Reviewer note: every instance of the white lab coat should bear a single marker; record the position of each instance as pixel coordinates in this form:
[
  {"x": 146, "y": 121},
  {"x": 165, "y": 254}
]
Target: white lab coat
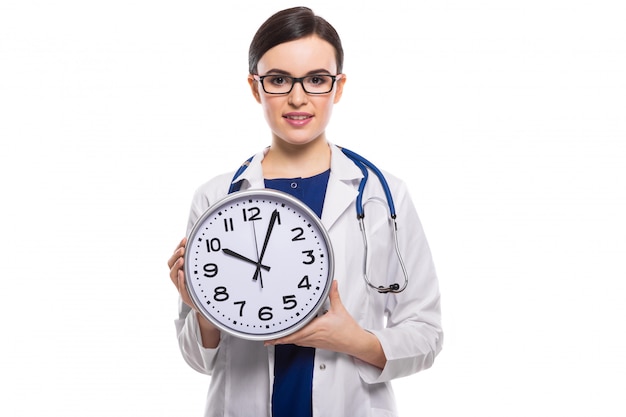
[{"x": 407, "y": 324}]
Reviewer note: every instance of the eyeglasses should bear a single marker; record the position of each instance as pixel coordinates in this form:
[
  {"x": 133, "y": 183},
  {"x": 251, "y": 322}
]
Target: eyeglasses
[{"x": 311, "y": 84}]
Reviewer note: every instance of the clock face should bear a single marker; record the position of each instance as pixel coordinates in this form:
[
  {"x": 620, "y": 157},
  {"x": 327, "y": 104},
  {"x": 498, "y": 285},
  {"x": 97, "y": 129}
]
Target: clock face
[{"x": 259, "y": 264}]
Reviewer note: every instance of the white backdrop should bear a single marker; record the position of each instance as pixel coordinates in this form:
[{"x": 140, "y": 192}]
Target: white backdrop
[{"x": 507, "y": 118}]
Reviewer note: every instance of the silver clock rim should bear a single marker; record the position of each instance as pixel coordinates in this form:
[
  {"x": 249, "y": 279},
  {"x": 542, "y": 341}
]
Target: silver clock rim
[{"x": 261, "y": 192}]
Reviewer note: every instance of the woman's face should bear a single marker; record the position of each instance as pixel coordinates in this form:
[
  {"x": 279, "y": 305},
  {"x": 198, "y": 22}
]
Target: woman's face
[{"x": 298, "y": 118}]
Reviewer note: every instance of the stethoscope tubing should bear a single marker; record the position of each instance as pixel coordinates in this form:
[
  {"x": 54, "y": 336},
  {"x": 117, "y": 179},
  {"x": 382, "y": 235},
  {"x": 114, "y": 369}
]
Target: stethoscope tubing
[{"x": 363, "y": 165}]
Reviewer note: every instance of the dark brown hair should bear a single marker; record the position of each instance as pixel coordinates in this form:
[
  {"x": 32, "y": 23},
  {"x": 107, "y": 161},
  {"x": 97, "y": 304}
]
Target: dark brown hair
[{"x": 289, "y": 25}]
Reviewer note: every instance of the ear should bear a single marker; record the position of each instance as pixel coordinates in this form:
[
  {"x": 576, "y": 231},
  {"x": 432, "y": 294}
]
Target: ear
[
  {"x": 339, "y": 88},
  {"x": 254, "y": 86}
]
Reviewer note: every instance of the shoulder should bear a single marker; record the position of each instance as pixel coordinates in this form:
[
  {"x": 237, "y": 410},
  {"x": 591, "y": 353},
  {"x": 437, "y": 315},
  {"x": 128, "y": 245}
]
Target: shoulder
[
  {"x": 213, "y": 189},
  {"x": 218, "y": 186},
  {"x": 207, "y": 194}
]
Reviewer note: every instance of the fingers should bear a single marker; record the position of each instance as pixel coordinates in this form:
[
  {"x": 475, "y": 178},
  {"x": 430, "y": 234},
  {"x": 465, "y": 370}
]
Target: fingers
[
  {"x": 178, "y": 253},
  {"x": 299, "y": 338},
  {"x": 176, "y": 263},
  {"x": 180, "y": 283},
  {"x": 328, "y": 330},
  {"x": 176, "y": 271}
]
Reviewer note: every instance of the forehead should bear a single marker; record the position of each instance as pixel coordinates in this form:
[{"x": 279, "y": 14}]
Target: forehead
[{"x": 299, "y": 57}]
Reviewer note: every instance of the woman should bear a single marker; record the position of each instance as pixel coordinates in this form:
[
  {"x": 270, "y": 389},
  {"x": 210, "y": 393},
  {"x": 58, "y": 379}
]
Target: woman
[{"x": 342, "y": 362}]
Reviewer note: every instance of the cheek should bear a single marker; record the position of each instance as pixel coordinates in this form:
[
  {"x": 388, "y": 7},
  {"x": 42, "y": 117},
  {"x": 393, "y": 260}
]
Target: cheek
[
  {"x": 271, "y": 111},
  {"x": 326, "y": 108},
  {"x": 268, "y": 105}
]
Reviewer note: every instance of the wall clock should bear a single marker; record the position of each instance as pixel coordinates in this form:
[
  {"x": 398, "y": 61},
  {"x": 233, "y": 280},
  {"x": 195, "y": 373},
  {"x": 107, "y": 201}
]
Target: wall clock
[{"x": 259, "y": 264}]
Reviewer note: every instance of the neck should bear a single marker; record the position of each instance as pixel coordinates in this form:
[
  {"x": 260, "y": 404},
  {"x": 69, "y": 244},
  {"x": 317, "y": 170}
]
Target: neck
[{"x": 285, "y": 160}]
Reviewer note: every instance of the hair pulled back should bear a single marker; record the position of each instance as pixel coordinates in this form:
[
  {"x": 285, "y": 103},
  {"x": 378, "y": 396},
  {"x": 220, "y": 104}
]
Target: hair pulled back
[{"x": 289, "y": 25}]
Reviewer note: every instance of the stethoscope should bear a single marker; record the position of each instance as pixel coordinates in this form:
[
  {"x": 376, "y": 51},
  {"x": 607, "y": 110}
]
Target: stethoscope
[{"x": 363, "y": 165}]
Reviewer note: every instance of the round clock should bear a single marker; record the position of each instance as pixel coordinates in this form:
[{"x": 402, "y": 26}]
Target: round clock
[{"x": 259, "y": 264}]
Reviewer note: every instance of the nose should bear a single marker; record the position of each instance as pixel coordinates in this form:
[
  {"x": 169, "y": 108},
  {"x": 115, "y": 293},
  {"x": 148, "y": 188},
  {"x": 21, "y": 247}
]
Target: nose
[{"x": 297, "y": 95}]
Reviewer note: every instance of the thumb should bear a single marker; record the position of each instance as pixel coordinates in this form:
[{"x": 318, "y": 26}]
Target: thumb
[{"x": 333, "y": 295}]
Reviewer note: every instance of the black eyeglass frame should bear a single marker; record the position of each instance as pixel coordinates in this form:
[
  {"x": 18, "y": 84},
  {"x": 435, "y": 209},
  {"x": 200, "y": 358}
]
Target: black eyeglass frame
[{"x": 295, "y": 80}]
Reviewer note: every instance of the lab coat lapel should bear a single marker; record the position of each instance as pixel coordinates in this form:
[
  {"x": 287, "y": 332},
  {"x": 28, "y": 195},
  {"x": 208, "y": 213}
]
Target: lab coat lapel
[{"x": 342, "y": 187}]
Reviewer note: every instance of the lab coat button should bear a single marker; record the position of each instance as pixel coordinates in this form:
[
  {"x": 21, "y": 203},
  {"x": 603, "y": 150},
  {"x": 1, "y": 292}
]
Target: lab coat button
[{"x": 323, "y": 366}]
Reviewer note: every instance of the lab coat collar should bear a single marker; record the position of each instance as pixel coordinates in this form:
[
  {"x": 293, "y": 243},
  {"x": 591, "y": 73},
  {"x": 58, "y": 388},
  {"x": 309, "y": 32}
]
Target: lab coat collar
[
  {"x": 252, "y": 177},
  {"x": 342, "y": 184}
]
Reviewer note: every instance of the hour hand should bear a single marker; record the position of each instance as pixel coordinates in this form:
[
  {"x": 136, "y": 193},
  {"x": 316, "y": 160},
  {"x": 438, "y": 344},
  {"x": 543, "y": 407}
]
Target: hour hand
[{"x": 243, "y": 258}]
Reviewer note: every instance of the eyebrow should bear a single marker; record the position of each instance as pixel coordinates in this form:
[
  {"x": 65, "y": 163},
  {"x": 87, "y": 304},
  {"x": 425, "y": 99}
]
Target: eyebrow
[{"x": 283, "y": 72}]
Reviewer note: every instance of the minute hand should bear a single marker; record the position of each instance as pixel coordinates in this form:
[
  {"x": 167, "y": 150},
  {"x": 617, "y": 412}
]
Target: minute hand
[{"x": 267, "y": 239}]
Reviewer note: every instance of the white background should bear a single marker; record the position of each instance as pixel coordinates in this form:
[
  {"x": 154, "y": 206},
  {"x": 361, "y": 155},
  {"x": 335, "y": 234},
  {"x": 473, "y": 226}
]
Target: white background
[{"x": 507, "y": 119}]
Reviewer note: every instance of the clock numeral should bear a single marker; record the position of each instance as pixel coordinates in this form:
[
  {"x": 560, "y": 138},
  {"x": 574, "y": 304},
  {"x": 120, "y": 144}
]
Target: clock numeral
[
  {"x": 213, "y": 245},
  {"x": 210, "y": 270},
  {"x": 289, "y": 302},
  {"x": 220, "y": 294},
  {"x": 304, "y": 283},
  {"x": 251, "y": 214},
  {"x": 242, "y": 303},
  {"x": 265, "y": 313},
  {"x": 311, "y": 258},
  {"x": 299, "y": 234},
  {"x": 228, "y": 224}
]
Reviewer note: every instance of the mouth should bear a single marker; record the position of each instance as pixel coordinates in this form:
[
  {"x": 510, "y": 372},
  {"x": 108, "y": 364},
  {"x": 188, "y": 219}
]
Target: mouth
[
  {"x": 298, "y": 120},
  {"x": 297, "y": 116}
]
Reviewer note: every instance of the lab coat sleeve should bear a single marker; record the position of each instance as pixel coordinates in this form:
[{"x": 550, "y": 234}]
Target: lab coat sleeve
[
  {"x": 413, "y": 336},
  {"x": 190, "y": 342},
  {"x": 187, "y": 329}
]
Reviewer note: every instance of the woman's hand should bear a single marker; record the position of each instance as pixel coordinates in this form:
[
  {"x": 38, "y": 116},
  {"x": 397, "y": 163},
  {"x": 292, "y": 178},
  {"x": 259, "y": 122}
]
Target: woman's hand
[
  {"x": 210, "y": 333},
  {"x": 177, "y": 274},
  {"x": 336, "y": 330}
]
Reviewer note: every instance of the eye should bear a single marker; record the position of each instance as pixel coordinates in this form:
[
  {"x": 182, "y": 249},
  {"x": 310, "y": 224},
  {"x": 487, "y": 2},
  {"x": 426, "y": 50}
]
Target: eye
[
  {"x": 277, "y": 80},
  {"x": 318, "y": 80}
]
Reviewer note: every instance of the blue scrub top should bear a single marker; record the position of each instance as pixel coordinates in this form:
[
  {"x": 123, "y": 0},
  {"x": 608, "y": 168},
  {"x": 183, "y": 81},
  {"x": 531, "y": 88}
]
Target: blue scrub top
[{"x": 293, "y": 365}]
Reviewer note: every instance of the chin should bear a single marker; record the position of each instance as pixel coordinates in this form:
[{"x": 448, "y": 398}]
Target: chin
[{"x": 300, "y": 140}]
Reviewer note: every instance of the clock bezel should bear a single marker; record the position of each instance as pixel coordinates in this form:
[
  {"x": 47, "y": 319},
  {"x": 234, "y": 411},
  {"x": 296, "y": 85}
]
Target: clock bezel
[{"x": 256, "y": 194}]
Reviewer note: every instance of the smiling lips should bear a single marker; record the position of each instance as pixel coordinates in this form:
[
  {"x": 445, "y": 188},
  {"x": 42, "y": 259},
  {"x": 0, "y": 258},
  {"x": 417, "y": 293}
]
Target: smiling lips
[{"x": 298, "y": 119}]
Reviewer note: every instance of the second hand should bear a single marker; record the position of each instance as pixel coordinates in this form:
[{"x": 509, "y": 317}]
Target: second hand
[{"x": 256, "y": 247}]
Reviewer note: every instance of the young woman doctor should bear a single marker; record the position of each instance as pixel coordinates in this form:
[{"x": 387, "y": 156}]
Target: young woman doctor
[{"x": 342, "y": 362}]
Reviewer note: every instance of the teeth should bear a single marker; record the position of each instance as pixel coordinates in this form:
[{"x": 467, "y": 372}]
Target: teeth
[{"x": 298, "y": 117}]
